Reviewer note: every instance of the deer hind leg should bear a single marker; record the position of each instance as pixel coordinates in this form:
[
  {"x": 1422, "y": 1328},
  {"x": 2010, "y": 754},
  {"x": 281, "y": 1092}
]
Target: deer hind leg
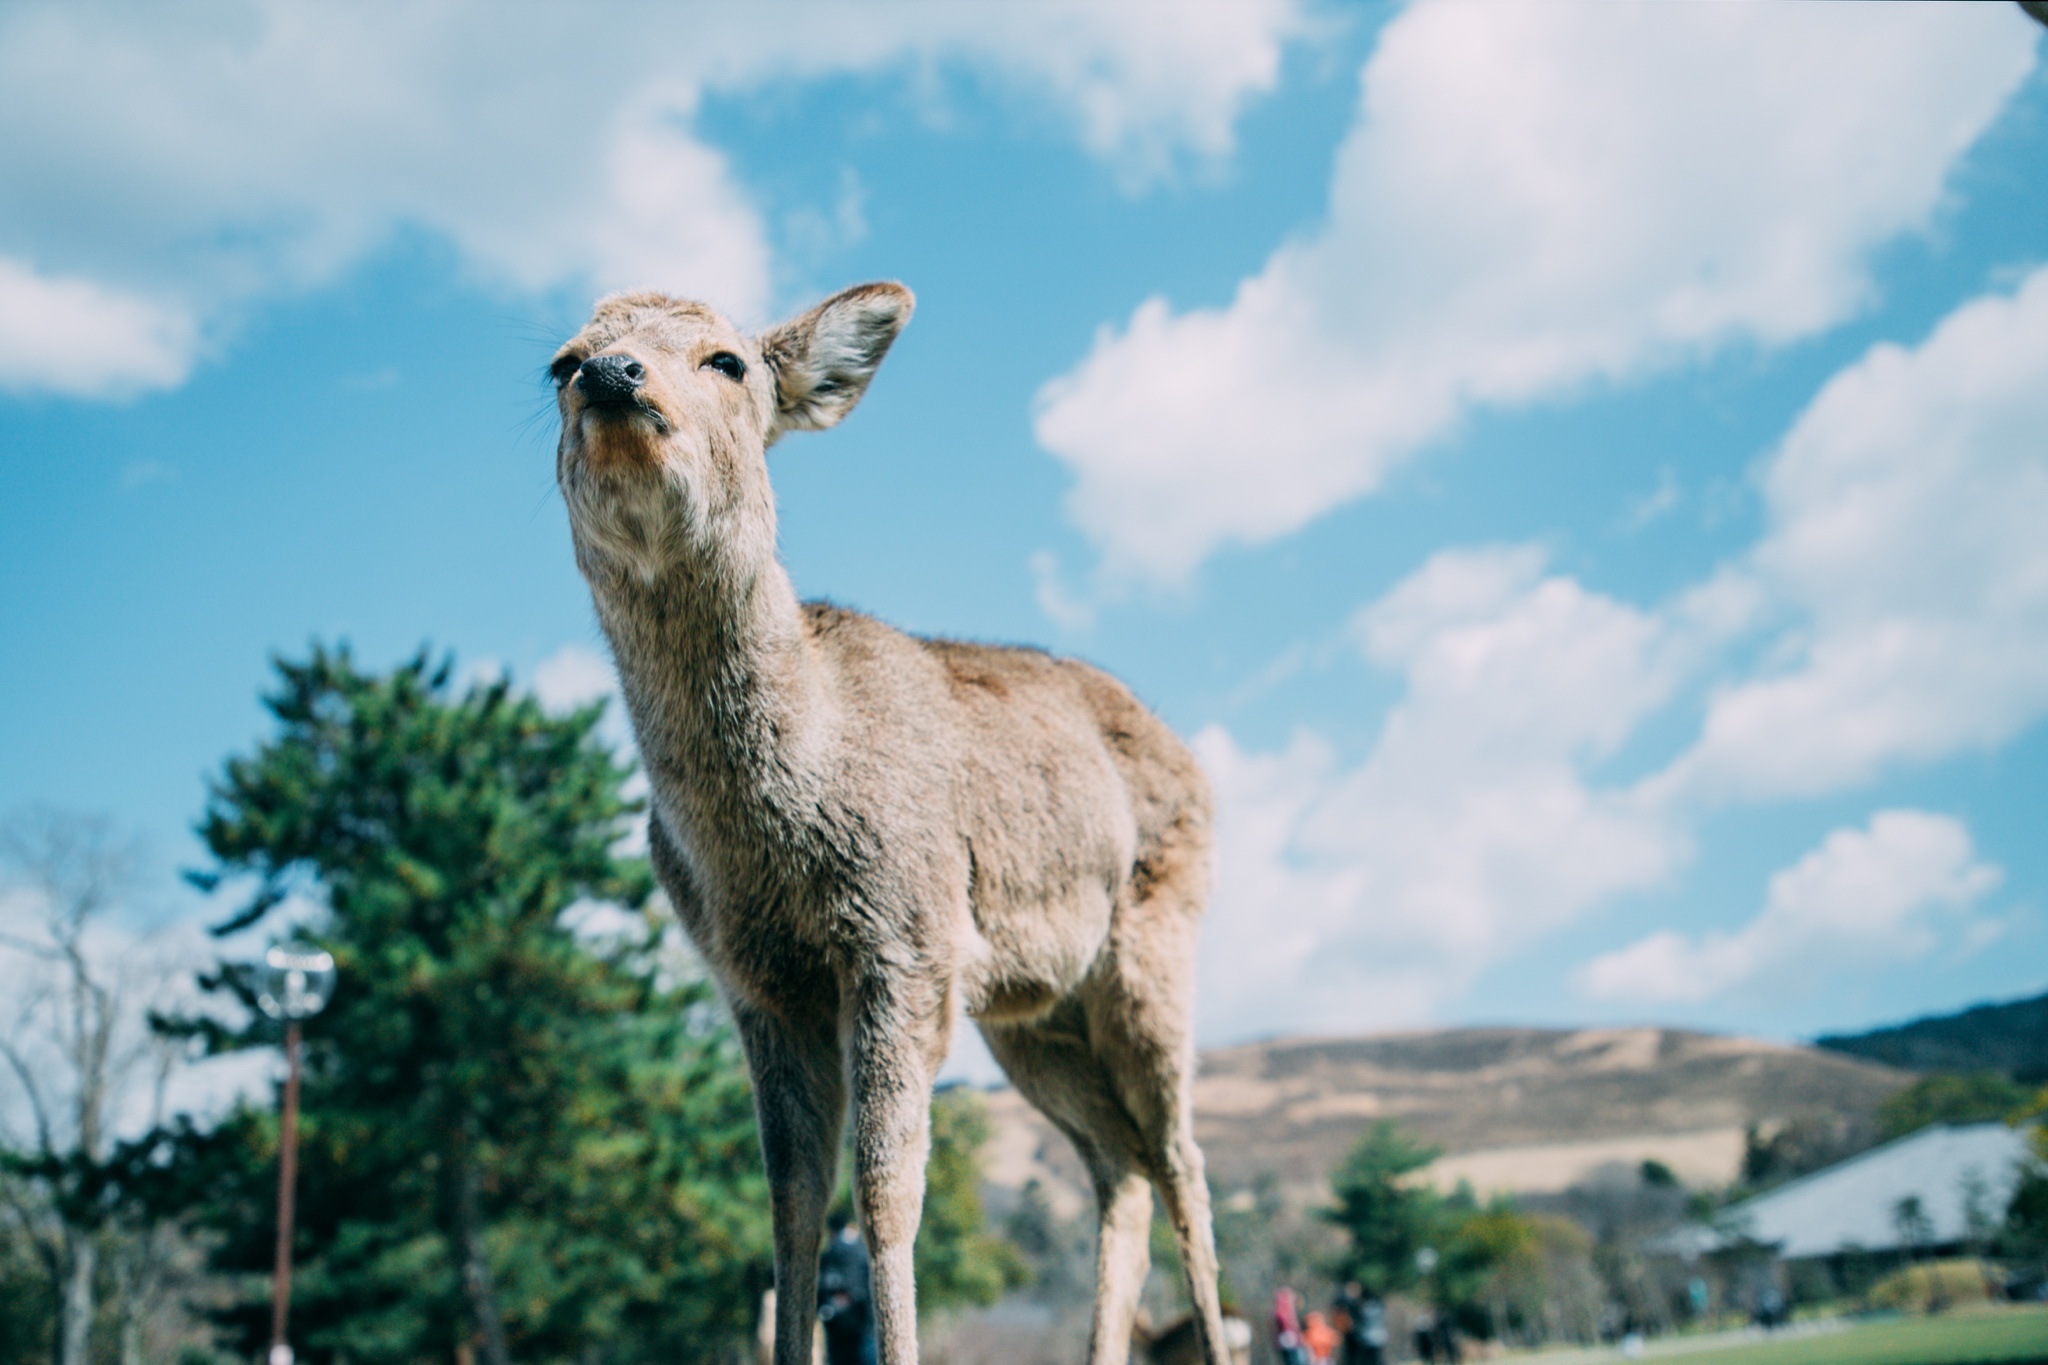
[
  {"x": 799, "y": 1100},
  {"x": 1185, "y": 1191},
  {"x": 1140, "y": 1011},
  {"x": 1052, "y": 1065},
  {"x": 1123, "y": 1258}
]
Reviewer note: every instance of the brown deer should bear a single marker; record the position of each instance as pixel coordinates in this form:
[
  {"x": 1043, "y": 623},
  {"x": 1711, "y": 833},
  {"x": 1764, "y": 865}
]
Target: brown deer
[{"x": 861, "y": 829}]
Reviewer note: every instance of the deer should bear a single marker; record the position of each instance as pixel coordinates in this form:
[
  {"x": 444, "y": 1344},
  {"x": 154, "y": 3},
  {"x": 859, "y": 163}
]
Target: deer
[{"x": 864, "y": 832}]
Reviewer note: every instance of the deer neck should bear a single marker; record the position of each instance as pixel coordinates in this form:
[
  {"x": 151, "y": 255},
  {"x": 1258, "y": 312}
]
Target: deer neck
[{"x": 723, "y": 683}]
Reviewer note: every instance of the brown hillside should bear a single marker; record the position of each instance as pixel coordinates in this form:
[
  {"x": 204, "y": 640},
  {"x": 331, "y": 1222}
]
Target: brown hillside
[{"x": 1513, "y": 1108}]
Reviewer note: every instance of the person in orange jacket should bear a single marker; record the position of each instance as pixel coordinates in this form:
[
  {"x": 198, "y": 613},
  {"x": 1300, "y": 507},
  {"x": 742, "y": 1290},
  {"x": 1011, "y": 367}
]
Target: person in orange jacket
[{"x": 1320, "y": 1338}]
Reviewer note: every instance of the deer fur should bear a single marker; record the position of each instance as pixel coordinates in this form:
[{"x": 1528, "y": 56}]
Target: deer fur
[{"x": 862, "y": 830}]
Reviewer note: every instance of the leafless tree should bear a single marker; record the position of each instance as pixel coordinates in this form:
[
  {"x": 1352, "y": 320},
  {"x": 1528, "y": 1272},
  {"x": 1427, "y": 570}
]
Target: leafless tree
[{"x": 76, "y": 1047}]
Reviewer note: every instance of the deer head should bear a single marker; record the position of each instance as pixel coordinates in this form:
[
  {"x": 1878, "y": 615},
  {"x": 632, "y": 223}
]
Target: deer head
[{"x": 668, "y": 411}]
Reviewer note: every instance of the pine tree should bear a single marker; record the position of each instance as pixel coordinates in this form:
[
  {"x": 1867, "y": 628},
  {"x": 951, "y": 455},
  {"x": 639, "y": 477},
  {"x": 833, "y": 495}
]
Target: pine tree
[
  {"x": 1404, "y": 1235},
  {"x": 958, "y": 1260},
  {"x": 516, "y": 1140},
  {"x": 1387, "y": 1219}
]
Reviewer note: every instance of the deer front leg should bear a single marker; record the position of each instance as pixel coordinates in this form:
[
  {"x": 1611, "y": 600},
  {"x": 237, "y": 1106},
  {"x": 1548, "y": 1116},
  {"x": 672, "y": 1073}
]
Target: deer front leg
[
  {"x": 898, "y": 1041},
  {"x": 799, "y": 1100}
]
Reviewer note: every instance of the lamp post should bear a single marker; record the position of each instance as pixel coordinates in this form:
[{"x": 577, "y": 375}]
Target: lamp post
[{"x": 292, "y": 983}]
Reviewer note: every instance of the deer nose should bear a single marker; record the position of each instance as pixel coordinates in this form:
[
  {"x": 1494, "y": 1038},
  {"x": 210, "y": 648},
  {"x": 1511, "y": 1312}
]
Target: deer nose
[{"x": 610, "y": 378}]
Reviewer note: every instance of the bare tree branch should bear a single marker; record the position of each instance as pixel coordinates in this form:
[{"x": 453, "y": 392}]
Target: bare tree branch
[
  {"x": 26, "y": 1075},
  {"x": 68, "y": 1041},
  {"x": 29, "y": 945}
]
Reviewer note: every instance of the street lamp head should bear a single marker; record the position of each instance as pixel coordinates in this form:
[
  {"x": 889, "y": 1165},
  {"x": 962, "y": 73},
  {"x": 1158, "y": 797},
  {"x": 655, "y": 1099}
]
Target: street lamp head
[{"x": 294, "y": 981}]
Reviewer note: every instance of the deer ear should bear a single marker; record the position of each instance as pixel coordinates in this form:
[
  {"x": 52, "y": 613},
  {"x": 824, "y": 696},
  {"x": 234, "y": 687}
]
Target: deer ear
[{"x": 823, "y": 360}]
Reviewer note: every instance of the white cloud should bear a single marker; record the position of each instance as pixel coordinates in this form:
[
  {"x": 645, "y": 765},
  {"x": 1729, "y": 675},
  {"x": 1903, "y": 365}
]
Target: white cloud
[
  {"x": 1899, "y": 596},
  {"x": 1656, "y": 504},
  {"x": 1348, "y": 898},
  {"x": 574, "y": 676},
  {"x": 139, "y": 474},
  {"x": 69, "y": 335},
  {"x": 167, "y": 168},
  {"x": 1534, "y": 197},
  {"x": 1907, "y": 507},
  {"x": 1144, "y": 82},
  {"x": 1063, "y": 608},
  {"x": 1886, "y": 893}
]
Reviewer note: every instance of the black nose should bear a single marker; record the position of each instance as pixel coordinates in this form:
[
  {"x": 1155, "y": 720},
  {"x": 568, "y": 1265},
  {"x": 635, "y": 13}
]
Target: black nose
[{"x": 610, "y": 378}]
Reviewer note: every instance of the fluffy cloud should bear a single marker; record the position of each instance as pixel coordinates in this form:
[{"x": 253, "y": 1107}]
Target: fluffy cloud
[
  {"x": 1534, "y": 197},
  {"x": 74, "y": 337},
  {"x": 1899, "y": 596},
  {"x": 1907, "y": 508},
  {"x": 1882, "y": 893},
  {"x": 1378, "y": 891},
  {"x": 573, "y": 676},
  {"x": 1144, "y": 82},
  {"x": 164, "y": 169}
]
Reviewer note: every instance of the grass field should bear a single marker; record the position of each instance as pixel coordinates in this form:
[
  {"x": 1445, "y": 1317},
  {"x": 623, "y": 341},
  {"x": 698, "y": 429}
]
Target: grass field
[{"x": 1984, "y": 1335}]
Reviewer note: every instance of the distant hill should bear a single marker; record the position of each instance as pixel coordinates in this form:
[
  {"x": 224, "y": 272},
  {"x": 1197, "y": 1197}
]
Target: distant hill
[
  {"x": 2011, "y": 1038},
  {"x": 1513, "y": 1108}
]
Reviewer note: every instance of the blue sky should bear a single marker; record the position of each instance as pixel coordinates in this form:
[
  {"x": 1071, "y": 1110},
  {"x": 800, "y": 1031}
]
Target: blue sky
[{"x": 1576, "y": 473}]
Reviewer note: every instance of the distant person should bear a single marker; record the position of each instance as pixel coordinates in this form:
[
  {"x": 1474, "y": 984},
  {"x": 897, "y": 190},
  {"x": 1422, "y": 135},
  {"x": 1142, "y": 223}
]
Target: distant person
[
  {"x": 846, "y": 1303},
  {"x": 1365, "y": 1325},
  {"x": 1425, "y": 1337},
  {"x": 1320, "y": 1338},
  {"x": 1447, "y": 1348},
  {"x": 1287, "y": 1343}
]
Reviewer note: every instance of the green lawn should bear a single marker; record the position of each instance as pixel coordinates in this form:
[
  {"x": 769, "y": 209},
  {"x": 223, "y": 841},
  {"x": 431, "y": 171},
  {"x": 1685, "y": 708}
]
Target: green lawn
[{"x": 1992, "y": 1334}]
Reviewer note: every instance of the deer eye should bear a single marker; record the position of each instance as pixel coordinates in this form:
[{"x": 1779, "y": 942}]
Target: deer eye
[
  {"x": 564, "y": 369},
  {"x": 727, "y": 364}
]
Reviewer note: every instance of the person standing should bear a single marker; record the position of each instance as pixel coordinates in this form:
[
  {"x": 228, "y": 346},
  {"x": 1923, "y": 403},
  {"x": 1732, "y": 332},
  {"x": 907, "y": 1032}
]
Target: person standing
[
  {"x": 1365, "y": 1325},
  {"x": 845, "y": 1298},
  {"x": 1320, "y": 1338},
  {"x": 1287, "y": 1341},
  {"x": 1448, "y": 1351},
  {"x": 1425, "y": 1337}
]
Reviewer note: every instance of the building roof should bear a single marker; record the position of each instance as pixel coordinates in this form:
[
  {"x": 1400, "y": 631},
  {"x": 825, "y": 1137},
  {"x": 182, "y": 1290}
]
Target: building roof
[{"x": 1853, "y": 1204}]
